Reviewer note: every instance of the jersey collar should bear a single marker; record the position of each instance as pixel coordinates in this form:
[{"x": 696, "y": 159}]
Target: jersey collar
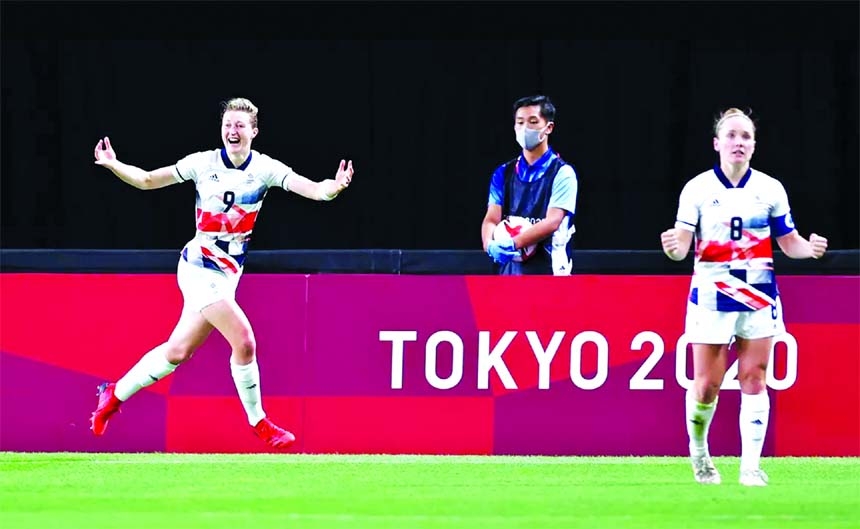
[
  {"x": 229, "y": 165},
  {"x": 543, "y": 162},
  {"x": 725, "y": 181}
]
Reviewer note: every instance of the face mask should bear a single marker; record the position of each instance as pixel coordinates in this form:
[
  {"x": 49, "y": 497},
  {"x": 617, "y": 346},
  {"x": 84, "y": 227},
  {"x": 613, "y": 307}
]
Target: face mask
[{"x": 529, "y": 138}]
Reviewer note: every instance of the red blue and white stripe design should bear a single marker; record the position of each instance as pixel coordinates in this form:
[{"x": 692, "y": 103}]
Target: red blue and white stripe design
[
  {"x": 733, "y": 226},
  {"x": 229, "y": 199}
]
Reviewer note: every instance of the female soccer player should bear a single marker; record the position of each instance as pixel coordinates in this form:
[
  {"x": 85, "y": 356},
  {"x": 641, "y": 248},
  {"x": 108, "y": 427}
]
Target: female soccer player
[
  {"x": 733, "y": 210},
  {"x": 231, "y": 183}
]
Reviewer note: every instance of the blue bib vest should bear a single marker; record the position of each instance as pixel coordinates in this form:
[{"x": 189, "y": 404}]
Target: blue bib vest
[{"x": 530, "y": 200}]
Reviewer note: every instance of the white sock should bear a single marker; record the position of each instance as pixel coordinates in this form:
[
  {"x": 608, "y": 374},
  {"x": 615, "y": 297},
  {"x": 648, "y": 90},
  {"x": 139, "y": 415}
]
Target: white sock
[
  {"x": 151, "y": 368},
  {"x": 755, "y": 411},
  {"x": 699, "y": 418},
  {"x": 247, "y": 380}
]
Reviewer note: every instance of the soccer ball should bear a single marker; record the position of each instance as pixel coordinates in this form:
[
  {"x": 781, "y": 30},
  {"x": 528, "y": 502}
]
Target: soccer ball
[{"x": 510, "y": 228}]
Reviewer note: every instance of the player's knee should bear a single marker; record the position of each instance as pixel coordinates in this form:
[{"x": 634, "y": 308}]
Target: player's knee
[
  {"x": 752, "y": 380},
  {"x": 178, "y": 353},
  {"x": 245, "y": 347}
]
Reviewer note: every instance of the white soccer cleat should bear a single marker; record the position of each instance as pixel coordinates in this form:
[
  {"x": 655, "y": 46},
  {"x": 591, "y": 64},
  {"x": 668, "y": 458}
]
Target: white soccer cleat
[
  {"x": 704, "y": 470},
  {"x": 753, "y": 478}
]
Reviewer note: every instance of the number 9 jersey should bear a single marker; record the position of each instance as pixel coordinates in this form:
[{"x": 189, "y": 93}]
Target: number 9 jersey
[
  {"x": 733, "y": 268},
  {"x": 229, "y": 199}
]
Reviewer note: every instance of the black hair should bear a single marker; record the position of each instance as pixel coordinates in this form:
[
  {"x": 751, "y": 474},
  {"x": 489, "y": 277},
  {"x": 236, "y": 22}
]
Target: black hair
[{"x": 547, "y": 109}]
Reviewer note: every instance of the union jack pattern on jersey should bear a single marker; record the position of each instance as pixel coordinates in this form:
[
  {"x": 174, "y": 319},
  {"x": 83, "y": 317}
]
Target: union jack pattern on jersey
[
  {"x": 733, "y": 268},
  {"x": 229, "y": 199}
]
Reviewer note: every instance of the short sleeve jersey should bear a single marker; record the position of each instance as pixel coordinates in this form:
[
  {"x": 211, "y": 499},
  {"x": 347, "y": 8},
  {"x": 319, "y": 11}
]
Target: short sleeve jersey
[
  {"x": 229, "y": 199},
  {"x": 733, "y": 225}
]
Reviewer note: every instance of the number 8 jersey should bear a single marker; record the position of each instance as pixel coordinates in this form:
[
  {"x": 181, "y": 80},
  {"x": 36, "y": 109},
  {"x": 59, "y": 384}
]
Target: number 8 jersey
[
  {"x": 229, "y": 199},
  {"x": 733, "y": 268}
]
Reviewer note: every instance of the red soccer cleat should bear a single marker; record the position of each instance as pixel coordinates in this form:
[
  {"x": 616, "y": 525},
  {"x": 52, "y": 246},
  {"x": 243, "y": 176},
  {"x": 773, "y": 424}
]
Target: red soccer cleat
[
  {"x": 274, "y": 435},
  {"x": 108, "y": 405}
]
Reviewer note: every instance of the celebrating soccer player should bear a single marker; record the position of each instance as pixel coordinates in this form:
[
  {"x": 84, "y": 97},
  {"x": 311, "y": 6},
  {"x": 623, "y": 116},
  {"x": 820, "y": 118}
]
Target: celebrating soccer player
[
  {"x": 231, "y": 183},
  {"x": 733, "y": 210}
]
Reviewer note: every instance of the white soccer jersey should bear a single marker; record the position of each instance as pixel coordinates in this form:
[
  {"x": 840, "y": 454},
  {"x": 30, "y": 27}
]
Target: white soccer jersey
[
  {"x": 733, "y": 268},
  {"x": 228, "y": 201}
]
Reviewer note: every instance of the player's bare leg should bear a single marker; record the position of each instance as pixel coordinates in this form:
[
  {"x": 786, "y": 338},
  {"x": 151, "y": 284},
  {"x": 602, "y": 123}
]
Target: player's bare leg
[
  {"x": 190, "y": 332},
  {"x": 230, "y": 320}
]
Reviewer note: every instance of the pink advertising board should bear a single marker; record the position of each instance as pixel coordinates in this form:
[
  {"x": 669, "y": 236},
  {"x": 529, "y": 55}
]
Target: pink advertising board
[{"x": 586, "y": 365}]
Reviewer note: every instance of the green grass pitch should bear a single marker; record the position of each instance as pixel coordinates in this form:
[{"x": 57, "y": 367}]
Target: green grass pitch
[{"x": 129, "y": 491}]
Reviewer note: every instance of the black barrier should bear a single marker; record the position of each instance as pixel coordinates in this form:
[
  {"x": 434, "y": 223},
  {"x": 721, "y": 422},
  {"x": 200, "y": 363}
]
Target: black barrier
[{"x": 416, "y": 262}]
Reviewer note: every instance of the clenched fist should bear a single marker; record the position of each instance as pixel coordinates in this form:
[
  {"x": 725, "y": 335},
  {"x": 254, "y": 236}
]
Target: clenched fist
[
  {"x": 818, "y": 244},
  {"x": 669, "y": 239}
]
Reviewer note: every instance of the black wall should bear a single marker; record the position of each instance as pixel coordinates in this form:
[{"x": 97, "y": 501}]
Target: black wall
[{"x": 419, "y": 97}]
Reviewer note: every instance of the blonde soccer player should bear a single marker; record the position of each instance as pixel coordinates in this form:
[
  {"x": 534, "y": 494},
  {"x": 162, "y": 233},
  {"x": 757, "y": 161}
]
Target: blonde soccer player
[
  {"x": 732, "y": 211},
  {"x": 231, "y": 183}
]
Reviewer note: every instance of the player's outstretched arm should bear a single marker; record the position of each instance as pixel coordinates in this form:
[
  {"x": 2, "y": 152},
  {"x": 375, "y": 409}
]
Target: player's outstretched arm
[
  {"x": 325, "y": 190},
  {"x": 135, "y": 176},
  {"x": 795, "y": 246},
  {"x": 676, "y": 243}
]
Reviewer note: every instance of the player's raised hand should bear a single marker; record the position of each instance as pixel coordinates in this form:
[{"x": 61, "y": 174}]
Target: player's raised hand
[
  {"x": 669, "y": 240},
  {"x": 819, "y": 245},
  {"x": 344, "y": 175},
  {"x": 104, "y": 152}
]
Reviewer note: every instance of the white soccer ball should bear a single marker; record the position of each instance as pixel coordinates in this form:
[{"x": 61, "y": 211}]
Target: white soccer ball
[{"x": 510, "y": 228}]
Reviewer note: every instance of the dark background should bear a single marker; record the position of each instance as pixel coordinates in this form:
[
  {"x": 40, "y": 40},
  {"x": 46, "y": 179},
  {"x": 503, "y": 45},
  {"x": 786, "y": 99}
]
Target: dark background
[{"x": 419, "y": 97}]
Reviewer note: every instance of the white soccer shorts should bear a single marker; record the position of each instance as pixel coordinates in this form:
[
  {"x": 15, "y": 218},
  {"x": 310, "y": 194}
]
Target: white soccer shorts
[
  {"x": 202, "y": 287},
  {"x": 714, "y": 327}
]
